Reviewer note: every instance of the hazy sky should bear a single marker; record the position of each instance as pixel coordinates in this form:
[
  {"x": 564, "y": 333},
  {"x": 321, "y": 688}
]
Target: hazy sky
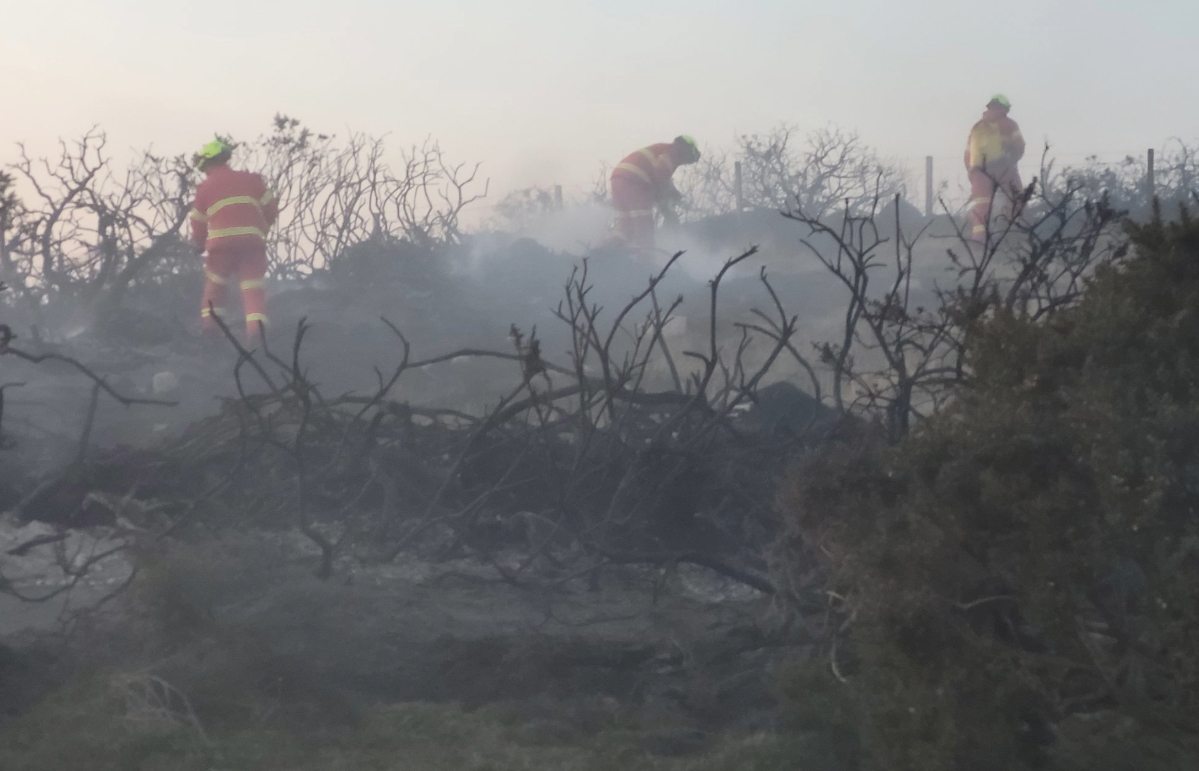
[{"x": 545, "y": 91}]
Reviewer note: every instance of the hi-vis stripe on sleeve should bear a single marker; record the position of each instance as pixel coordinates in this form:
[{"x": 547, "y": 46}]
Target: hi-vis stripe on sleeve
[
  {"x": 233, "y": 200},
  {"x": 634, "y": 169},
  {"x": 198, "y": 215},
  {"x": 656, "y": 161},
  {"x": 253, "y": 283},
  {"x": 266, "y": 198},
  {"x": 229, "y": 232}
]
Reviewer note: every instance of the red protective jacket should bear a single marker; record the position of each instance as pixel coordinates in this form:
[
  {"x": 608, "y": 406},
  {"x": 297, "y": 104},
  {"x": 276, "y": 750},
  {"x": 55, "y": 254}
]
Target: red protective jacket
[
  {"x": 995, "y": 144},
  {"x": 232, "y": 208},
  {"x": 652, "y": 167}
]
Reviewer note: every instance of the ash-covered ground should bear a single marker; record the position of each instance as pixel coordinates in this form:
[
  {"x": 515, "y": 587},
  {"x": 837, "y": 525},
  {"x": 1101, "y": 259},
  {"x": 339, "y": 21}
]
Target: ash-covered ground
[{"x": 543, "y": 626}]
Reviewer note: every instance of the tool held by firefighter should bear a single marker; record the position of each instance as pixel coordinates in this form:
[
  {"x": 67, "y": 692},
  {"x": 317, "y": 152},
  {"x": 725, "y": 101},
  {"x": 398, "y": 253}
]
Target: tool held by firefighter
[
  {"x": 232, "y": 214},
  {"x": 642, "y": 183},
  {"x": 993, "y": 152}
]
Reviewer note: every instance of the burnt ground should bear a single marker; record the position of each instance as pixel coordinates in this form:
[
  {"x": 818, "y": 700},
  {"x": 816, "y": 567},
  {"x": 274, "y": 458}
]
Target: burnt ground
[
  {"x": 225, "y": 649},
  {"x": 227, "y": 652}
]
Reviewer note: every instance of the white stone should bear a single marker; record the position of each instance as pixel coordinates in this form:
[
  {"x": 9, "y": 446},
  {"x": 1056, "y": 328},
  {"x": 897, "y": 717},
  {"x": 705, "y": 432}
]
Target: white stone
[{"x": 164, "y": 382}]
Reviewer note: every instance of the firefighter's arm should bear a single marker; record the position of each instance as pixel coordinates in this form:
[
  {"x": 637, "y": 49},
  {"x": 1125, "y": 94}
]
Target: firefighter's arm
[
  {"x": 662, "y": 175},
  {"x": 199, "y": 225},
  {"x": 1016, "y": 150},
  {"x": 668, "y": 198}
]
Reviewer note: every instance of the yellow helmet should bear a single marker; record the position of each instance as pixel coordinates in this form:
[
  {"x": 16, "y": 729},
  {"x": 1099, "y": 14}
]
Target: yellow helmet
[
  {"x": 689, "y": 146},
  {"x": 217, "y": 149},
  {"x": 1000, "y": 100}
]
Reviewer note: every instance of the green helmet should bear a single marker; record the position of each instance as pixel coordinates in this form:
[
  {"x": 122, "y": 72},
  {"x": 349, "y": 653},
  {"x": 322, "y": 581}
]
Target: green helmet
[
  {"x": 1001, "y": 100},
  {"x": 217, "y": 149},
  {"x": 690, "y": 148}
]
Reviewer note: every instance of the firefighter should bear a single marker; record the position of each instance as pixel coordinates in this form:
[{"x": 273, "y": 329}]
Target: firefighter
[
  {"x": 993, "y": 151},
  {"x": 642, "y": 182},
  {"x": 229, "y": 221}
]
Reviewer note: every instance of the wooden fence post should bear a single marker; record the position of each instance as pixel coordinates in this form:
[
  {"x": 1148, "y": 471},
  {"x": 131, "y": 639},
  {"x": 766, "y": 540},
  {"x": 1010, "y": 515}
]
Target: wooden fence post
[
  {"x": 1150, "y": 184},
  {"x": 738, "y": 190},
  {"x": 928, "y": 186}
]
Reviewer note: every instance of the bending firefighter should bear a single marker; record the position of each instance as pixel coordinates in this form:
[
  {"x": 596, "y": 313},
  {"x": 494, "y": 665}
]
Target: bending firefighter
[
  {"x": 642, "y": 181},
  {"x": 230, "y": 219},
  {"x": 993, "y": 151}
]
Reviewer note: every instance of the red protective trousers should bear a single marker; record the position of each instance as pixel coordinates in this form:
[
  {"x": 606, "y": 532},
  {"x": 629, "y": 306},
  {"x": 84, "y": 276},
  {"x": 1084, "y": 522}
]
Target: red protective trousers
[
  {"x": 245, "y": 260},
  {"x": 983, "y": 187},
  {"x": 634, "y": 201}
]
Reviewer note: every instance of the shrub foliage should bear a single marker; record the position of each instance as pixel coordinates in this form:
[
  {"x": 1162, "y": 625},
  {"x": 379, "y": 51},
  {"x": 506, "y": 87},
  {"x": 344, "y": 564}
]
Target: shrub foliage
[{"x": 1017, "y": 580}]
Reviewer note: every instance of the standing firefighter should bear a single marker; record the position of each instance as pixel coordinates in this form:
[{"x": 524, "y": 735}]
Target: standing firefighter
[
  {"x": 230, "y": 219},
  {"x": 642, "y": 181},
  {"x": 993, "y": 151}
]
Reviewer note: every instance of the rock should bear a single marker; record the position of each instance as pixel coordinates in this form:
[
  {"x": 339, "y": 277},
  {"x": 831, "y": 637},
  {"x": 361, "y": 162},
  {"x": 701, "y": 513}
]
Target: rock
[{"x": 164, "y": 382}]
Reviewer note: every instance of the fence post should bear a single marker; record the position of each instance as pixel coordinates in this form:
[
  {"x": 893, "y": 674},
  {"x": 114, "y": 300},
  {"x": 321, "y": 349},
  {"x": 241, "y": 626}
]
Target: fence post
[
  {"x": 1150, "y": 185},
  {"x": 737, "y": 188},
  {"x": 558, "y": 197},
  {"x": 928, "y": 186}
]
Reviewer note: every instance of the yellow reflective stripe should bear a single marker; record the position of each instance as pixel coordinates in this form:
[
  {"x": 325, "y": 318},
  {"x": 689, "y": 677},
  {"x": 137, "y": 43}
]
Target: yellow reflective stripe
[
  {"x": 634, "y": 169},
  {"x": 253, "y": 283},
  {"x": 657, "y": 161},
  {"x": 227, "y": 232},
  {"x": 198, "y": 215},
  {"x": 232, "y": 200},
  {"x": 206, "y": 312},
  {"x": 216, "y": 278},
  {"x": 252, "y": 317},
  {"x": 266, "y": 198},
  {"x": 635, "y": 213}
]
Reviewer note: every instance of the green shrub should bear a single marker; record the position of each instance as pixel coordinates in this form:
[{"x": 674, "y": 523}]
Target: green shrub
[{"x": 1025, "y": 566}]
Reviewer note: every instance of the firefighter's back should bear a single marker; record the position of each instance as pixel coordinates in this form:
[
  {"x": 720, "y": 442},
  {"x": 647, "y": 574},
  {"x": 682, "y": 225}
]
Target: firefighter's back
[{"x": 234, "y": 204}]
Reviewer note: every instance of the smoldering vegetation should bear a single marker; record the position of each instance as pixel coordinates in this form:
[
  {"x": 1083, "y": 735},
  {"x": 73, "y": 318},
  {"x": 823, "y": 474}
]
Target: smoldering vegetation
[{"x": 789, "y": 495}]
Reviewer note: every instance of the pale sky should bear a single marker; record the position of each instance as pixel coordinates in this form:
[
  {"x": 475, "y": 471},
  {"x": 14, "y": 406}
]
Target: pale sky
[{"x": 542, "y": 92}]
